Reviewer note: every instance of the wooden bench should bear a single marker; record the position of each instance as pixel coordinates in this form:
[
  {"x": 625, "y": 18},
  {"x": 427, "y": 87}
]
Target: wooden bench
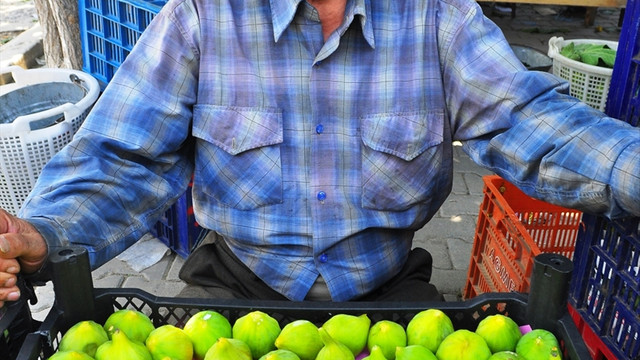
[{"x": 591, "y": 5}]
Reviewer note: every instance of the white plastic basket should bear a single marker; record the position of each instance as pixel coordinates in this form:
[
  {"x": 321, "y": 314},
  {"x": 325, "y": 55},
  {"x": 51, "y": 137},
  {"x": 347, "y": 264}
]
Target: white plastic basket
[
  {"x": 588, "y": 83},
  {"x": 28, "y": 141}
]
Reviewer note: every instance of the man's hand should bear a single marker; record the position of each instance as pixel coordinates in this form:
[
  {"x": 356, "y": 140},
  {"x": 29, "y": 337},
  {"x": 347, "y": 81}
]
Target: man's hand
[{"x": 22, "y": 248}]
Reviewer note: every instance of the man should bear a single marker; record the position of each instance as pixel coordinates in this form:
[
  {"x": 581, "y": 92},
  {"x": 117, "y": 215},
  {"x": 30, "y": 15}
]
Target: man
[{"x": 319, "y": 137}]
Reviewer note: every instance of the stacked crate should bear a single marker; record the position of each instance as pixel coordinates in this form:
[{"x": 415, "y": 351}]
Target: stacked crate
[{"x": 605, "y": 291}]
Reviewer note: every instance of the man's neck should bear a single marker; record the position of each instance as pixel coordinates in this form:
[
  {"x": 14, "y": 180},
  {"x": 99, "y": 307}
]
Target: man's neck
[{"x": 331, "y": 13}]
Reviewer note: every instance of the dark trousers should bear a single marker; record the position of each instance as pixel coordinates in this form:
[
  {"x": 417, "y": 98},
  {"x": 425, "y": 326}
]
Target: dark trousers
[{"x": 213, "y": 271}]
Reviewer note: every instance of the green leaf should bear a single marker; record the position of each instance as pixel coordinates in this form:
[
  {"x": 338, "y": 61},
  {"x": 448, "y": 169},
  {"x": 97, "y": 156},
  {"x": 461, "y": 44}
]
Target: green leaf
[
  {"x": 591, "y": 54},
  {"x": 569, "y": 51},
  {"x": 599, "y": 55}
]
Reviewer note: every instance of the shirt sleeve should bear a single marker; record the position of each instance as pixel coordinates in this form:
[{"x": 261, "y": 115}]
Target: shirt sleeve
[
  {"x": 525, "y": 127},
  {"x": 132, "y": 158}
]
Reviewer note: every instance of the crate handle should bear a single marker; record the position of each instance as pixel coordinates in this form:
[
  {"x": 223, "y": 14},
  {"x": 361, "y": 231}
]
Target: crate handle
[
  {"x": 549, "y": 289},
  {"x": 72, "y": 283}
]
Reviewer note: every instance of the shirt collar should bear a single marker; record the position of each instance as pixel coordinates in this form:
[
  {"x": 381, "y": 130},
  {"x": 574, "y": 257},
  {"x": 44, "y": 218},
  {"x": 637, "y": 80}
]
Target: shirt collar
[{"x": 283, "y": 11}]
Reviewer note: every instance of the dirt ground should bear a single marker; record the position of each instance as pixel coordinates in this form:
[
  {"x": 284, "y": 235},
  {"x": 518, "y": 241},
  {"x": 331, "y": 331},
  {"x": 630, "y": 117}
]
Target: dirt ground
[{"x": 16, "y": 16}]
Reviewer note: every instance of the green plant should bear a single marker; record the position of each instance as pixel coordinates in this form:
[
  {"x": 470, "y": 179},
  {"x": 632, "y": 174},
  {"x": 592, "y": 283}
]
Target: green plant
[{"x": 592, "y": 54}]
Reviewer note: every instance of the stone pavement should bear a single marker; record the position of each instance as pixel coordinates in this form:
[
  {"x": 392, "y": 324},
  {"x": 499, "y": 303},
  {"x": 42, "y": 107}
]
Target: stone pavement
[{"x": 449, "y": 235}]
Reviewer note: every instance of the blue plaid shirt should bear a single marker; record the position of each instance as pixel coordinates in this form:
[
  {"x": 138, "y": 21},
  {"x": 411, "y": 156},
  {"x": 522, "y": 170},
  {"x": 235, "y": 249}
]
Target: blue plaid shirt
[{"x": 322, "y": 158}]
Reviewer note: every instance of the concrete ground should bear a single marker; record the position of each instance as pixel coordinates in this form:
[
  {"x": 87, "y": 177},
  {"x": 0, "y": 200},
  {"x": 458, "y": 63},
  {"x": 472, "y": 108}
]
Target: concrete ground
[{"x": 449, "y": 236}]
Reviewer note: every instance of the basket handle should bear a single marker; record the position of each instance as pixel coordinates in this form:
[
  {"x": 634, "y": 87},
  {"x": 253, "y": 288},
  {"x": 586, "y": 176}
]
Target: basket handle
[
  {"x": 554, "y": 46},
  {"x": 13, "y": 69},
  {"x": 22, "y": 124},
  {"x": 10, "y": 69}
]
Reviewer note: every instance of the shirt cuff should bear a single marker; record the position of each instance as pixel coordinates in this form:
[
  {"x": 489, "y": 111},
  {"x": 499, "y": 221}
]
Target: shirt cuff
[
  {"x": 50, "y": 231},
  {"x": 625, "y": 179}
]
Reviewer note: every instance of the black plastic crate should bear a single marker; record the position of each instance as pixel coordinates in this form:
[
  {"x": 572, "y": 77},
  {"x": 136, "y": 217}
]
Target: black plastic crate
[
  {"x": 76, "y": 300},
  {"x": 16, "y": 321}
]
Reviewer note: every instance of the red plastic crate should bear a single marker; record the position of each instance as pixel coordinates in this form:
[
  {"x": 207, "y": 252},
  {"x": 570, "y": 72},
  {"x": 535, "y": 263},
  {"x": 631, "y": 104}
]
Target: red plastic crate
[
  {"x": 594, "y": 343},
  {"x": 512, "y": 229}
]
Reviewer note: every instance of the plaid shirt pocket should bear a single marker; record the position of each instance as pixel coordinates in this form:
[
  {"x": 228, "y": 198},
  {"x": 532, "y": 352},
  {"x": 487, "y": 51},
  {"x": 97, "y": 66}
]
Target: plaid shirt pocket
[{"x": 238, "y": 160}]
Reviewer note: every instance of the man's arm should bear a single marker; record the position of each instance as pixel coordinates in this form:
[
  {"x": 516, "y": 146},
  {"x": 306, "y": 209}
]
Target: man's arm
[
  {"x": 133, "y": 156},
  {"x": 524, "y": 126}
]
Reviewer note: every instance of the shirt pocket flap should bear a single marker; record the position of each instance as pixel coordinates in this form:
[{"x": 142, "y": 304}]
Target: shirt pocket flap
[
  {"x": 405, "y": 135},
  {"x": 237, "y": 129}
]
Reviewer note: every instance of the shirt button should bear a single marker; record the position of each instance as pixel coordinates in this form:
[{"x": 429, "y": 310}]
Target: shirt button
[
  {"x": 323, "y": 258},
  {"x": 319, "y": 128},
  {"x": 321, "y": 195}
]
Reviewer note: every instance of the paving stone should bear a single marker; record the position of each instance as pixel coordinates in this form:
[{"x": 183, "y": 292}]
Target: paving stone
[
  {"x": 459, "y": 253},
  {"x": 439, "y": 252},
  {"x": 459, "y": 227},
  {"x": 113, "y": 266},
  {"x": 449, "y": 281},
  {"x": 474, "y": 182},
  {"x": 459, "y": 185},
  {"x": 156, "y": 287},
  {"x": 174, "y": 268},
  {"x": 45, "y": 296},
  {"x": 158, "y": 270},
  {"x": 461, "y": 205},
  {"x": 109, "y": 281}
]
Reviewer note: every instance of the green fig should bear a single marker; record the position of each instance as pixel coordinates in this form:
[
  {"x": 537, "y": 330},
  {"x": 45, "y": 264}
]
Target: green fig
[
  {"x": 387, "y": 335},
  {"x": 85, "y": 336},
  {"x": 134, "y": 323},
  {"x": 228, "y": 349},
  {"x": 168, "y": 342},
  {"x": 463, "y": 345},
  {"x": 204, "y": 328},
  {"x": 121, "y": 347},
  {"x": 349, "y": 330},
  {"x": 258, "y": 330},
  {"x": 375, "y": 353},
  {"x": 414, "y": 352},
  {"x": 280, "y": 354},
  {"x": 70, "y": 355},
  {"x": 300, "y": 337},
  {"x": 500, "y": 332},
  {"x": 428, "y": 328},
  {"x": 332, "y": 349},
  {"x": 506, "y": 355},
  {"x": 539, "y": 344}
]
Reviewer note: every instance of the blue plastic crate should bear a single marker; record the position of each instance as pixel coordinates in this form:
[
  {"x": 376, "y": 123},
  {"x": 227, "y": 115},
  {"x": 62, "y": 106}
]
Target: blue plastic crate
[
  {"x": 623, "y": 101},
  {"x": 109, "y": 29},
  {"x": 605, "y": 288},
  {"x": 178, "y": 228}
]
